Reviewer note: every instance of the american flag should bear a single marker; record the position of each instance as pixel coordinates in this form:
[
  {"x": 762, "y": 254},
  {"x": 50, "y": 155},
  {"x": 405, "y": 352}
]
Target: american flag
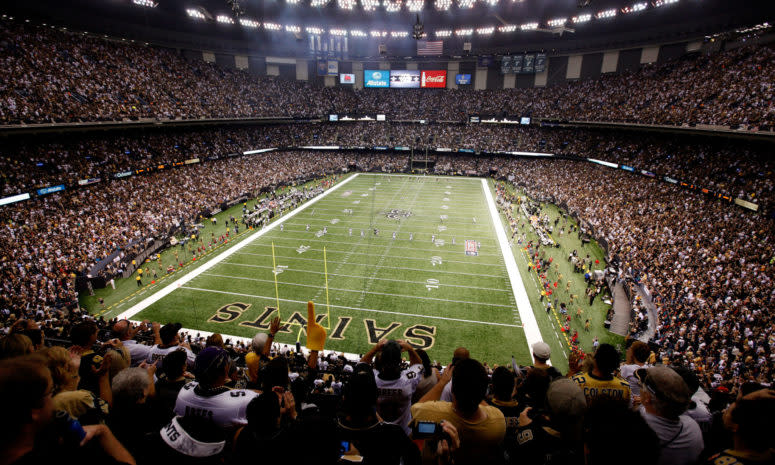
[{"x": 430, "y": 47}]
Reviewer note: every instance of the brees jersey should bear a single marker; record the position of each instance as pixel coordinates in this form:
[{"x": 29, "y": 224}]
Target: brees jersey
[
  {"x": 394, "y": 397},
  {"x": 226, "y": 407},
  {"x": 593, "y": 387},
  {"x": 157, "y": 354}
]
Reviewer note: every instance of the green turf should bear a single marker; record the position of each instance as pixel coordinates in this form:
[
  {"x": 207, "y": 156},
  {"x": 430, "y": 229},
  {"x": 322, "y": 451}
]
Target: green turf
[{"x": 377, "y": 286}]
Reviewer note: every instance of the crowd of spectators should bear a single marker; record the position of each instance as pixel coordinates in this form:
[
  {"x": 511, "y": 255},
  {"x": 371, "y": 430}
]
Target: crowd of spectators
[
  {"x": 733, "y": 168},
  {"x": 50, "y": 75},
  {"x": 114, "y": 392}
]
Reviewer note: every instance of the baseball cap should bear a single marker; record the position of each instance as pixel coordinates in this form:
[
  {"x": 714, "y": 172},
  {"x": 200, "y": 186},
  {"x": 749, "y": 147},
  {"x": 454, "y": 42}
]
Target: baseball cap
[
  {"x": 565, "y": 398},
  {"x": 542, "y": 350},
  {"x": 667, "y": 386},
  {"x": 210, "y": 363},
  {"x": 167, "y": 332}
]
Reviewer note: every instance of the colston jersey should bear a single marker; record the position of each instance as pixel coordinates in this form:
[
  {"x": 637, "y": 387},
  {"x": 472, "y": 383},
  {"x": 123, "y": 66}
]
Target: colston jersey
[
  {"x": 226, "y": 408},
  {"x": 593, "y": 387},
  {"x": 394, "y": 397}
]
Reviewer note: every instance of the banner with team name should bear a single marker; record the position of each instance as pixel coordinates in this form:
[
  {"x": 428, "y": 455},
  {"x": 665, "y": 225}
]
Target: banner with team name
[{"x": 472, "y": 248}]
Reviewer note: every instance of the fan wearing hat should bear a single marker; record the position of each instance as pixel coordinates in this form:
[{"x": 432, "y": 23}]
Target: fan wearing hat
[
  {"x": 541, "y": 355},
  {"x": 170, "y": 342},
  {"x": 207, "y": 397},
  {"x": 553, "y": 435},
  {"x": 665, "y": 398}
]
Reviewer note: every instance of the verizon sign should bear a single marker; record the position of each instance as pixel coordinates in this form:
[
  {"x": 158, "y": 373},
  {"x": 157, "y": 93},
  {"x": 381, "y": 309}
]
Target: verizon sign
[{"x": 433, "y": 79}]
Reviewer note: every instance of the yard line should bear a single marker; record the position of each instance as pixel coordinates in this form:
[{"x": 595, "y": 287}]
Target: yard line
[
  {"x": 359, "y": 291},
  {"x": 446, "y": 222},
  {"x": 371, "y": 310},
  {"x": 150, "y": 300},
  {"x": 491, "y": 289},
  {"x": 431, "y": 270},
  {"x": 372, "y": 255},
  {"x": 526, "y": 315},
  {"x": 434, "y": 251}
]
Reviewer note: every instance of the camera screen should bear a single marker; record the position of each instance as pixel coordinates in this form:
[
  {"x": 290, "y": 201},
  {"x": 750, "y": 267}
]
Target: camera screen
[{"x": 426, "y": 427}]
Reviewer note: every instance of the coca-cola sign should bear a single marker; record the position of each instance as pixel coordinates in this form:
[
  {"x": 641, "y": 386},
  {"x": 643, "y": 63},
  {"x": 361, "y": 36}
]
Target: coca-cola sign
[{"x": 433, "y": 79}]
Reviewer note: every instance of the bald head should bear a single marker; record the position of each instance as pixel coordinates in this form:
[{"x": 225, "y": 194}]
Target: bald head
[
  {"x": 121, "y": 330},
  {"x": 461, "y": 353}
]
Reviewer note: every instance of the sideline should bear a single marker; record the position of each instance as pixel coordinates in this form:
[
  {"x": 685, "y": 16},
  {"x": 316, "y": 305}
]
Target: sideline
[
  {"x": 526, "y": 315},
  {"x": 232, "y": 250}
]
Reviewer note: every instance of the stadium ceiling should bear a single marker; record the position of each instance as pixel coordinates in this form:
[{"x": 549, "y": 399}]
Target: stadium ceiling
[{"x": 491, "y": 26}]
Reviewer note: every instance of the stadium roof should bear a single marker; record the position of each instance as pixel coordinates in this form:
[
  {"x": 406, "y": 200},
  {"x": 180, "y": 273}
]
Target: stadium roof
[{"x": 491, "y": 26}]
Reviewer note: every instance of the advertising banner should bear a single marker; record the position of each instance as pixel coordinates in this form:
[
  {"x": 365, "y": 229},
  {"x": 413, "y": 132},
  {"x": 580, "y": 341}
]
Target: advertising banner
[
  {"x": 463, "y": 79},
  {"x": 405, "y": 79},
  {"x": 333, "y": 67},
  {"x": 346, "y": 79},
  {"x": 376, "y": 78},
  {"x": 433, "y": 79},
  {"x": 51, "y": 189}
]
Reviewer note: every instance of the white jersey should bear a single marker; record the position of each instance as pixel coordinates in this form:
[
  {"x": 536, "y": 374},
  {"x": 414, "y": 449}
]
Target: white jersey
[
  {"x": 138, "y": 352},
  {"x": 227, "y": 409},
  {"x": 394, "y": 397},
  {"x": 157, "y": 354}
]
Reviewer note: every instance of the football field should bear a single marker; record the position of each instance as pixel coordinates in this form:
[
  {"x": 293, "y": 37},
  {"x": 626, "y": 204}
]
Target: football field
[{"x": 382, "y": 256}]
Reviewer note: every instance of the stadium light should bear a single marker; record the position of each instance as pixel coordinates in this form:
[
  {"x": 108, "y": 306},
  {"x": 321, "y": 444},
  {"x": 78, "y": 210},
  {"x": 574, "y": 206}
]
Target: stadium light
[
  {"x": 196, "y": 14},
  {"x": 346, "y": 4},
  {"x": 249, "y": 23},
  {"x": 369, "y": 5},
  {"x": 491, "y": 2},
  {"x": 397, "y": 34},
  {"x": 507, "y": 28},
  {"x": 288, "y": 28},
  {"x": 464, "y": 32},
  {"x": 443, "y": 33},
  {"x": 606, "y": 14},
  {"x": 338, "y": 32},
  {"x": 442, "y": 5},
  {"x": 557, "y": 22},
  {"x": 314, "y": 30},
  {"x": 145, "y": 3},
  {"x": 529, "y": 26},
  {"x": 659, "y": 3},
  {"x": 634, "y": 8},
  {"x": 485, "y": 31},
  {"x": 272, "y": 27},
  {"x": 223, "y": 19},
  {"x": 465, "y": 4},
  {"x": 292, "y": 2},
  {"x": 357, "y": 33},
  {"x": 392, "y": 6},
  {"x": 581, "y": 18},
  {"x": 415, "y": 5},
  {"x": 318, "y": 3}
]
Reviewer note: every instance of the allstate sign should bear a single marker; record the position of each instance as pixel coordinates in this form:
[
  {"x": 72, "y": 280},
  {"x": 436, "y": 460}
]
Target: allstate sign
[{"x": 376, "y": 78}]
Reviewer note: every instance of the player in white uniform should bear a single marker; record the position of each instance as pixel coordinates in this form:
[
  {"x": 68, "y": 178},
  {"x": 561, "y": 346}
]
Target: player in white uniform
[
  {"x": 395, "y": 386},
  {"x": 209, "y": 398},
  {"x": 170, "y": 342}
]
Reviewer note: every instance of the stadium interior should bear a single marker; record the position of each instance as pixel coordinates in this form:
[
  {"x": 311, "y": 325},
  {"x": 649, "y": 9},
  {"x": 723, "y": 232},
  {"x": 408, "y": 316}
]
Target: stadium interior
[{"x": 387, "y": 231}]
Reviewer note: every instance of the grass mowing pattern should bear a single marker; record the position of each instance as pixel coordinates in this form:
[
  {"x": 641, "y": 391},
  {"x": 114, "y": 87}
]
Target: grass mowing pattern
[{"x": 430, "y": 292}]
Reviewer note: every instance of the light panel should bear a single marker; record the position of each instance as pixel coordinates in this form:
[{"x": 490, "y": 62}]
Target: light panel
[
  {"x": 379, "y": 33},
  {"x": 529, "y": 26},
  {"x": 581, "y": 18},
  {"x": 272, "y": 26},
  {"x": 249, "y": 23},
  {"x": 415, "y": 5},
  {"x": 557, "y": 22},
  {"x": 313, "y": 30},
  {"x": 369, "y": 5},
  {"x": 289, "y": 28},
  {"x": 634, "y": 8},
  {"x": 442, "y": 5},
  {"x": 397, "y": 34},
  {"x": 223, "y": 19},
  {"x": 357, "y": 33},
  {"x": 507, "y": 28},
  {"x": 606, "y": 14},
  {"x": 346, "y": 4},
  {"x": 195, "y": 13},
  {"x": 659, "y": 3},
  {"x": 443, "y": 33},
  {"x": 392, "y": 6},
  {"x": 338, "y": 32},
  {"x": 145, "y": 3},
  {"x": 464, "y": 32},
  {"x": 465, "y": 4},
  {"x": 485, "y": 31}
]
